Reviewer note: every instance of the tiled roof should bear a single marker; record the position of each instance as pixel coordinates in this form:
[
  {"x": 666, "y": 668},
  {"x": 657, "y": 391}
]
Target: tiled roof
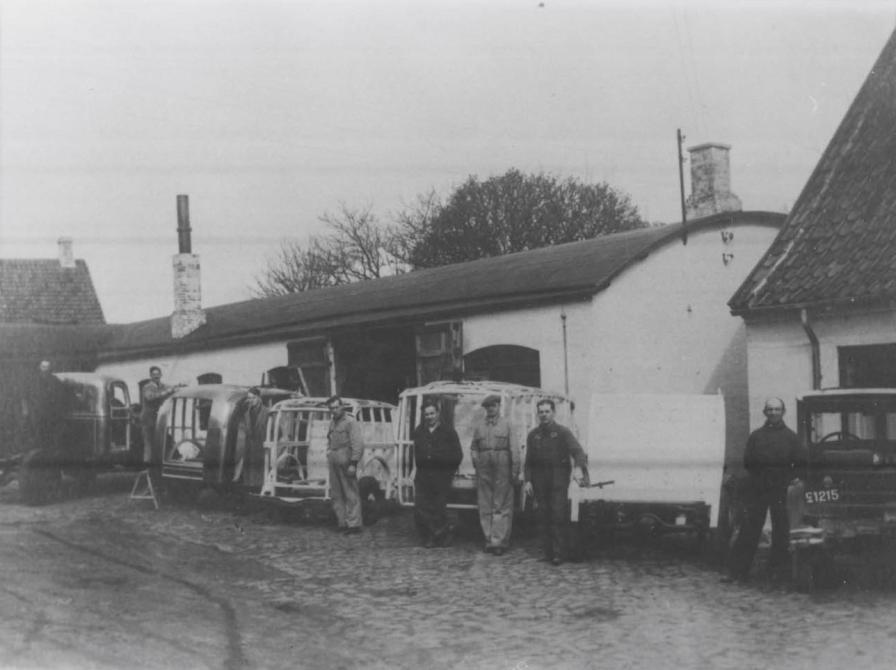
[
  {"x": 42, "y": 291},
  {"x": 838, "y": 245},
  {"x": 561, "y": 272},
  {"x": 29, "y": 340}
]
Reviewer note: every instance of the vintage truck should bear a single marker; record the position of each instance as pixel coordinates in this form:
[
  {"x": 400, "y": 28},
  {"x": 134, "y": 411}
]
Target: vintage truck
[
  {"x": 295, "y": 453},
  {"x": 460, "y": 406},
  {"x": 197, "y": 434},
  {"x": 847, "y": 503},
  {"x": 99, "y": 432}
]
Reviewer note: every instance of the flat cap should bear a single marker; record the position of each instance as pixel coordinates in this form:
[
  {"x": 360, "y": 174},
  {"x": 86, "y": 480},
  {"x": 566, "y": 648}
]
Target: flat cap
[{"x": 491, "y": 400}]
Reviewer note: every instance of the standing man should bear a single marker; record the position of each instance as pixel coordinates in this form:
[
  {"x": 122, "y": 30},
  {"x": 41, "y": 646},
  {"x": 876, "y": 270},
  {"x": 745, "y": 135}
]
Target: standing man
[
  {"x": 153, "y": 395},
  {"x": 437, "y": 455},
  {"x": 771, "y": 459},
  {"x": 551, "y": 452},
  {"x": 45, "y": 408},
  {"x": 497, "y": 465},
  {"x": 345, "y": 447},
  {"x": 249, "y": 451}
]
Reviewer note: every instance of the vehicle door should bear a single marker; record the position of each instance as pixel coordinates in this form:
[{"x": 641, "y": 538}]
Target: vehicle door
[{"x": 118, "y": 413}]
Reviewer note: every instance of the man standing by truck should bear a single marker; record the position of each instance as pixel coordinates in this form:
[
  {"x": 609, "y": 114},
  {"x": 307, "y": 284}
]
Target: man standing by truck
[
  {"x": 45, "y": 407},
  {"x": 345, "y": 447},
  {"x": 152, "y": 396},
  {"x": 497, "y": 464},
  {"x": 552, "y": 454},
  {"x": 437, "y": 455},
  {"x": 771, "y": 459}
]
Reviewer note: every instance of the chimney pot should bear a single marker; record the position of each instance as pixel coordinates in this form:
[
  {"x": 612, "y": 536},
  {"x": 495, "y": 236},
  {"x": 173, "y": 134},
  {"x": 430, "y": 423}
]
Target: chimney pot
[{"x": 66, "y": 255}]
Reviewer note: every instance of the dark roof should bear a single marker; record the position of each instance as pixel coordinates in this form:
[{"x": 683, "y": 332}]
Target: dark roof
[
  {"x": 27, "y": 340},
  {"x": 838, "y": 245},
  {"x": 566, "y": 271},
  {"x": 42, "y": 291}
]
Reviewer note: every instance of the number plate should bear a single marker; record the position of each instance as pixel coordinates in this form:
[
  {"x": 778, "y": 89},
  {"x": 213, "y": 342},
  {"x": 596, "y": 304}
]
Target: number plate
[{"x": 822, "y": 496}]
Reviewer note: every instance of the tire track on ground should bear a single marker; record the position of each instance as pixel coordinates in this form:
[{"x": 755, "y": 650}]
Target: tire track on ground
[{"x": 235, "y": 657}]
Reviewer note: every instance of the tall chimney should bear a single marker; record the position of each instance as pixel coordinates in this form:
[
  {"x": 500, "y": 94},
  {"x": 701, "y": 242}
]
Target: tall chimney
[
  {"x": 188, "y": 313},
  {"x": 66, "y": 255},
  {"x": 711, "y": 181}
]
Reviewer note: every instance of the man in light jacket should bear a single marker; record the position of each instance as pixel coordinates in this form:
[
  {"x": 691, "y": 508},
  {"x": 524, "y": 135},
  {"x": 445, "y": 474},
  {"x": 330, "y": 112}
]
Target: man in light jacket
[{"x": 345, "y": 447}]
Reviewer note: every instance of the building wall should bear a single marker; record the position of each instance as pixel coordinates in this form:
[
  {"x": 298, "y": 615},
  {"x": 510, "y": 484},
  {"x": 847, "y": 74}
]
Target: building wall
[
  {"x": 780, "y": 355},
  {"x": 239, "y": 365},
  {"x": 663, "y": 326}
]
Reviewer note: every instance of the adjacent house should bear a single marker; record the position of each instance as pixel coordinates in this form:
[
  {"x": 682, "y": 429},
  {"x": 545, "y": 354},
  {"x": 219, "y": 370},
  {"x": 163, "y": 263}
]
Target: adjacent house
[
  {"x": 48, "y": 309},
  {"x": 820, "y": 306}
]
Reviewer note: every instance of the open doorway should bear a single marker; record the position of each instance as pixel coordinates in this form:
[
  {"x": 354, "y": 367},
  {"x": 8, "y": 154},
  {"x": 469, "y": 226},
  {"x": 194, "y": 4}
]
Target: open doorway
[{"x": 376, "y": 363}]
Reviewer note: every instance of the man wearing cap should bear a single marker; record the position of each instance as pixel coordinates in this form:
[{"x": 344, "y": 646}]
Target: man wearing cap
[
  {"x": 552, "y": 454},
  {"x": 345, "y": 447},
  {"x": 497, "y": 465},
  {"x": 152, "y": 395}
]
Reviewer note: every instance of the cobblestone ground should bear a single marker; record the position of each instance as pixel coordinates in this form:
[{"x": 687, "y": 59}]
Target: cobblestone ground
[{"x": 379, "y": 601}]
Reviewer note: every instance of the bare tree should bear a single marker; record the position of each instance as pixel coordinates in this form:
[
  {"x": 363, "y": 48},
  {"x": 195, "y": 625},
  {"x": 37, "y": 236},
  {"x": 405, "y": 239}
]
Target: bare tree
[{"x": 354, "y": 247}]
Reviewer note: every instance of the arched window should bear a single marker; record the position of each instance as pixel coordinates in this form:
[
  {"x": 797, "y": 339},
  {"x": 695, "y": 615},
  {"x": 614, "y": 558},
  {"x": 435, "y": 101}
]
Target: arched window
[{"x": 504, "y": 363}]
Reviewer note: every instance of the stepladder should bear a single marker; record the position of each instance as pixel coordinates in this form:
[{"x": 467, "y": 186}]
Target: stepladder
[{"x": 143, "y": 488}]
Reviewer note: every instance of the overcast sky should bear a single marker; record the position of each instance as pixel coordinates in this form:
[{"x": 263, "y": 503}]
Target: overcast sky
[{"x": 268, "y": 113}]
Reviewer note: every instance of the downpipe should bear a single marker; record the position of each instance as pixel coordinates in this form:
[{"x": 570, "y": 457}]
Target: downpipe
[{"x": 816, "y": 350}]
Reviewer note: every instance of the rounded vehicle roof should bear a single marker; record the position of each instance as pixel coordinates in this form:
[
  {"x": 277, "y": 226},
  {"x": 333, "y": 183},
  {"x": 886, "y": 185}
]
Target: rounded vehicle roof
[
  {"x": 307, "y": 402},
  {"x": 847, "y": 393},
  {"x": 223, "y": 390},
  {"x": 88, "y": 378},
  {"x": 481, "y": 388}
]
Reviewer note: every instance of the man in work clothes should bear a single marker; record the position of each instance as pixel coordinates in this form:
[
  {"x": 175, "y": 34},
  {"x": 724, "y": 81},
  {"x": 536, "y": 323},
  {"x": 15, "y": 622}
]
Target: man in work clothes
[
  {"x": 437, "y": 454},
  {"x": 551, "y": 452},
  {"x": 771, "y": 459},
  {"x": 45, "y": 407},
  {"x": 345, "y": 447},
  {"x": 497, "y": 464},
  {"x": 153, "y": 395}
]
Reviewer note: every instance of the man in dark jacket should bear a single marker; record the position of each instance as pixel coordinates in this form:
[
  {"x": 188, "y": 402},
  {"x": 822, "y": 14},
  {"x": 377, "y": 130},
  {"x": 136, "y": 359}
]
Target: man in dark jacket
[
  {"x": 437, "y": 455},
  {"x": 45, "y": 406},
  {"x": 771, "y": 458},
  {"x": 551, "y": 452}
]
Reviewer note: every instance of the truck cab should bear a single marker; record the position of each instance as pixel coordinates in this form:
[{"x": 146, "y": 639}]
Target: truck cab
[
  {"x": 849, "y": 436},
  {"x": 98, "y": 433}
]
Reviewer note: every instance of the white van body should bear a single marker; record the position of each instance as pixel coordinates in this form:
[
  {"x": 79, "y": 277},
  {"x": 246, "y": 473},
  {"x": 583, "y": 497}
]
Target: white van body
[{"x": 664, "y": 453}]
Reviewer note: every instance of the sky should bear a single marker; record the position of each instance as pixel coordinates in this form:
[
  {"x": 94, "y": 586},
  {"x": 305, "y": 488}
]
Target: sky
[{"x": 270, "y": 113}]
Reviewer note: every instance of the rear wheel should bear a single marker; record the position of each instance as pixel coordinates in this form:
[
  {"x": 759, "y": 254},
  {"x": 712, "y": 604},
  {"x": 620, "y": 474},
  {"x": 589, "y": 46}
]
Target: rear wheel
[{"x": 39, "y": 478}]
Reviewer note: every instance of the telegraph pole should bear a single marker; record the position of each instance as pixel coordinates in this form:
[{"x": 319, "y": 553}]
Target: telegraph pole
[{"x": 684, "y": 215}]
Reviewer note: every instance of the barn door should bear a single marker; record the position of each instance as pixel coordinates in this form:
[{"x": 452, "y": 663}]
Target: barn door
[{"x": 439, "y": 351}]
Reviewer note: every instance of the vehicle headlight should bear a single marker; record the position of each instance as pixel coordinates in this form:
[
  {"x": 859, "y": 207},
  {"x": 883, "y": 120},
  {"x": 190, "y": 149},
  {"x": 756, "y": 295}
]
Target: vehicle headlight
[
  {"x": 875, "y": 459},
  {"x": 827, "y": 482}
]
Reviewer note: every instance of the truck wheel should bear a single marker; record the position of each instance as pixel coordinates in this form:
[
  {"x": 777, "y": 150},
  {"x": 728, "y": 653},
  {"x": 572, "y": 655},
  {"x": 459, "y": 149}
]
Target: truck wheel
[
  {"x": 39, "y": 478},
  {"x": 372, "y": 500}
]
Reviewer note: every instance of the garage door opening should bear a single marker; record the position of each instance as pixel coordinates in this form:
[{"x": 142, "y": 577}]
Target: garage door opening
[{"x": 504, "y": 363}]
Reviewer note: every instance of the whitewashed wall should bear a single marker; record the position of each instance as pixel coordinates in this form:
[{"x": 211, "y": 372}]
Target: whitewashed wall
[
  {"x": 780, "y": 356},
  {"x": 238, "y": 365}
]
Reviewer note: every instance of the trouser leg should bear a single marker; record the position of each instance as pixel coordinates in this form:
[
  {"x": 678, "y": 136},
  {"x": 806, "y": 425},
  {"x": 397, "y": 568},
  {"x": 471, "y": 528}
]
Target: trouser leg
[
  {"x": 559, "y": 517},
  {"x": 485, "y": 494},
  {"x": 423, "y": 505},
  {"x": 747, "y": 541},
  {"x": 337, "y": 495},
  {"x": 440, "y": 505},
  {"x": 351, "y": 500},
  {"x": 544, "y": 515},
  {"x": 147, "y": 432},
  {"x": 780, "y": 532},
  {"x": 502, "y": 501}
]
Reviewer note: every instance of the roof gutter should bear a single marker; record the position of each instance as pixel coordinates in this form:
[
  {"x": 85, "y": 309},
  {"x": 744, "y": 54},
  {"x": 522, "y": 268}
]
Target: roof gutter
[{"x": 816, "y": 349}]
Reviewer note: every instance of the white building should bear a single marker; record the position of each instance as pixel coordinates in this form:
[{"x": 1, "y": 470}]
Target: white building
[{"x": 636, "y": 312}]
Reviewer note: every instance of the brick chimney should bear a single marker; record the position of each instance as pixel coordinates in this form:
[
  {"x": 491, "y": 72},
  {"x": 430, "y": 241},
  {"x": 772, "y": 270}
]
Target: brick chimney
[
  {"x": 188, "y": 313},
  {"x": 711, "y": 181},
  {"x": 66, "y": 255}
]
